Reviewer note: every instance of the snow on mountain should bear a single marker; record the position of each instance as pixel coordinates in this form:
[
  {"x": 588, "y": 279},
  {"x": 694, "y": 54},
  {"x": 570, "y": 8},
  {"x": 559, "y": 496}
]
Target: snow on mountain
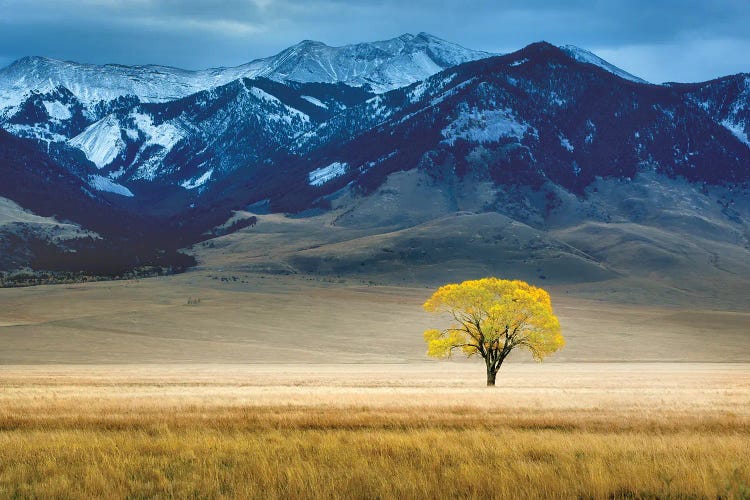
[
  {"x": 384, "y": 65},
  {"x": 320, "y": 176},
  {"x": 52, "y": 116},
  {"x": 93, "y": 83},
  {"x": 290, "y": 113},
  {"x": 38, "y": 133},
  {"x": 584, "y": 56},
  {"x": 188, "y": 142},
  {"x": 737, "y": 130},
  {"x": 155, "y": 141},
  {"x": 104, "y": 184},
  {"x": 195, "y": 183},
  {"x": 57, "y": 111},
  {"x": 726, "y": 100},
  {"x": 315, "y": 101},
  {"x": 105, "y": 141},
  {"x": 485, "y": 126},
  {"x": 165, "y": 135},
  {"x": 550, "y": 119},
  {"x": 295, "y": 115},
  {"x": 101, "y": 142}
]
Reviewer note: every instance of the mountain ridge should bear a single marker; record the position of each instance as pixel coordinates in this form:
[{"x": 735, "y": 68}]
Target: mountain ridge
[
  {"x": 382, "y": 65},
  {"x": 585, "y": 56},
  {"x": 535, "y": 136}
]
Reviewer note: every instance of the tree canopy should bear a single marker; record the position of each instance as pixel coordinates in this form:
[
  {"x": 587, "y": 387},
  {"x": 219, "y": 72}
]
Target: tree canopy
[{"x": 491, "y": 317}]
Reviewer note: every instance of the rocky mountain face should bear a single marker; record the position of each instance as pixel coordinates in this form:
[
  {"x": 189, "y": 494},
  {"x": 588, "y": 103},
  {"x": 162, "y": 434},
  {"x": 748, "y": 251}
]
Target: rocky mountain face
[
  {"x": 386, "y": 135},
  {"x": 530, "y": 118},
  {"x": 156, "y": 123}
]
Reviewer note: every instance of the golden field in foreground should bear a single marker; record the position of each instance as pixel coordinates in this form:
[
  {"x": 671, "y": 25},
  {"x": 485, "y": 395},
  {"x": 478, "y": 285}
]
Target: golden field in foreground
[
  {"x": 223, "y": 382},
  {"x": 375, "y": 431}
]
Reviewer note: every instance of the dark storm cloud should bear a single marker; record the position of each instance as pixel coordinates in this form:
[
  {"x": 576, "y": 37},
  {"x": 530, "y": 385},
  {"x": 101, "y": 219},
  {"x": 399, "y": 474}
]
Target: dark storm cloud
[{"x": 667, "y": 40}]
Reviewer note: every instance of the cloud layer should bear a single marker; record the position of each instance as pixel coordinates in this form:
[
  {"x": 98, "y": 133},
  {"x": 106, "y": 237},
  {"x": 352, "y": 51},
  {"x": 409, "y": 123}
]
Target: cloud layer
[{"x": 659, "y": 40}]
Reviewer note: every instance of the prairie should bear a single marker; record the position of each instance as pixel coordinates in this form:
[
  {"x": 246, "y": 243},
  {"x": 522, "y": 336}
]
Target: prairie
[
  {"x": 262, "y": 318},
  {"x": 236, "y": 380},
  {"x": 372, "y": 431}
]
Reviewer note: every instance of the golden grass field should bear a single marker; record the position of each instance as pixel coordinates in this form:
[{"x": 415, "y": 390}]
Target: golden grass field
[
  {"x": 275, "y": 386},
  {"x": 375, "y": 431}
]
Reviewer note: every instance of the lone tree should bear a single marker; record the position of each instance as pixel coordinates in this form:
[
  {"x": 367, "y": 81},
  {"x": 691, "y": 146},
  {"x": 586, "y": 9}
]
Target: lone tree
[{"x": 491, "y": 318}]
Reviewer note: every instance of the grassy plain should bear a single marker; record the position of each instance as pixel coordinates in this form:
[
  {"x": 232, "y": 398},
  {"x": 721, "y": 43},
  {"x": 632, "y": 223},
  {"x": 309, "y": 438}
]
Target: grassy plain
[
  {"x": 251, "y": 318},
  {"x": 236, "y": 380},
  {"x": 375, "y": 431}
]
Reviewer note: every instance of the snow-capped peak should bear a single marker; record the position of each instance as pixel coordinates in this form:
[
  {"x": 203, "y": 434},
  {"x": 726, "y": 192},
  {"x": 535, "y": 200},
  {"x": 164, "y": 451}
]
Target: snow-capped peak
[
  {"x": 384, "y": 65},
  {"x": 585, "y": 56}
]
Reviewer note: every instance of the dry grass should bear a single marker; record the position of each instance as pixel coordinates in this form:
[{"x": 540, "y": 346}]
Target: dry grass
[
  {"x": 267, "y": 453},
  {"x": 589, "y": 430}
]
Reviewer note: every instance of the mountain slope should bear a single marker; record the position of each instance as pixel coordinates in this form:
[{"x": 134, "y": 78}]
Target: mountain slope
[
  {"x": 562, "y": 168},
  {"x": 585, "y": 56},
  {"x": 527, "y": 118},
  {"x": 106, "y": 240},
  {"x": 196, "y": 140},
  {"x": 726, "y": 100},
  {"x": 189, "y": 141},
  {"x": 651, "y": 240},
  {"x": 114, "y": 124}
]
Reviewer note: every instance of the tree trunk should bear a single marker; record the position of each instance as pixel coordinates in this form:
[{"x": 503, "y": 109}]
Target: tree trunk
[{"x": 491, "y": 374}]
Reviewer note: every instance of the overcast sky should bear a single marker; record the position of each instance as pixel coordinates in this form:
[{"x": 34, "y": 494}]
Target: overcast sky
[{"x": 669, "y": 40}]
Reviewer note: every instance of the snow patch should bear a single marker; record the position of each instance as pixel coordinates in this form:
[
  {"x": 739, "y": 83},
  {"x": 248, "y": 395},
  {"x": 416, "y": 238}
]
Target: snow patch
[
  {"x": 37, "y": 132},
  {"x": 289, "y": 112},
  {"x": 591, "y": 127},
  {"x": 451, "y": 92},
  {"x": 57, "y": 111},
  {"x": 132, "y": 134},
  {"x": 104, "y": 184},
  {"x": 262, "y": 95},
  {"x": 367, "y": 166},
  {"x": 194, "y": 183},
  {"x": 165, "y": 135},
  {"x": 484, "y": 126},
  {"x": 519, "y": 62},
  {"x": 669, "y": 113},
  {"x": 320, "y": 176},
  {"x": 737, "y": 130},
  {"x": 315, "y": 101},
  {"x": 419, "y": 90},
  {"x": 101, "y": 142},
  {"x": 564, "y": 142},
  {"x": 378, "y": 109}
]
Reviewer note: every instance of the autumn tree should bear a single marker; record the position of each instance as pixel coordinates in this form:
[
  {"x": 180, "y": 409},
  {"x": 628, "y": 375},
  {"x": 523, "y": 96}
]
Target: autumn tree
[{"x": 491, "y": 317}]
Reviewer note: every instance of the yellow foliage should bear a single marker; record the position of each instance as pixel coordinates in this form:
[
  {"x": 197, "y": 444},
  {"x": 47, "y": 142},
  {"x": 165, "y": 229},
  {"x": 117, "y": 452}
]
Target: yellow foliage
[{"x": 492, "y": 315}]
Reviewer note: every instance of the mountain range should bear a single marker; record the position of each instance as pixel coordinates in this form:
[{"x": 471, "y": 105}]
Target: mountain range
[{"x": 386, "y": 136}]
